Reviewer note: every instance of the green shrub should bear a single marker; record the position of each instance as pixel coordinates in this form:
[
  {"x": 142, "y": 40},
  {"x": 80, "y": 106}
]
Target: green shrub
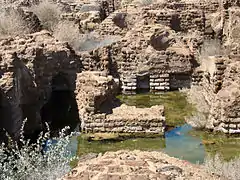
[{"x": 32, "y": 162}]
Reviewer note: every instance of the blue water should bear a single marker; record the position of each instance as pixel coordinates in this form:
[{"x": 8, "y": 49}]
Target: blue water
[{"x": 181, "y": 145}]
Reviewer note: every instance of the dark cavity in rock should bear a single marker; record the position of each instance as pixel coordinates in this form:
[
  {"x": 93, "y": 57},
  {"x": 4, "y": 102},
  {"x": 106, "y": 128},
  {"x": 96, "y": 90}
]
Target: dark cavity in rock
[{"x": 61, "y": 109}]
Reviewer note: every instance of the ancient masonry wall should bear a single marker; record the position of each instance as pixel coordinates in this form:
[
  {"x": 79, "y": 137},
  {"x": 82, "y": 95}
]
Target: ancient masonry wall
[
  {"x": 128, "y": 119},
  {"x": 223, "y": 103},
  {"x": 165, "y": 73},
  {"x": 179, "y": 20},
  {"x": 27, "y": 67},
  {"x": 100, "y": 111}
]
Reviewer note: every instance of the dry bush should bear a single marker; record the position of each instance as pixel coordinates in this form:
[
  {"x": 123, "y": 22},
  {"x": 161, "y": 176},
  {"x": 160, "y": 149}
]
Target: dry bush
[
  {"x": 69, "y": 32},
  {"x": 211, "y": 47},
  {"x": 194, "y": 96},
  {"x": 229, "y": 169},
  {"x": 46, "y": 159},
  {"x": 12, "y": 23},
  {"x": 92, "y": 41},
  {"x": 198, "y": 120},
  {"x": 142, "y": 2},
  {"x": 49, "y": 13}
]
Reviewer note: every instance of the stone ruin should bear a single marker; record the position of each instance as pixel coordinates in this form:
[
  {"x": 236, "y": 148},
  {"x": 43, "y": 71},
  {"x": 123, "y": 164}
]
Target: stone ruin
[
  {"x": 157, "y": 49},
  {"x": 31, "y": 70},
  {"x": 100, "y": 111}
]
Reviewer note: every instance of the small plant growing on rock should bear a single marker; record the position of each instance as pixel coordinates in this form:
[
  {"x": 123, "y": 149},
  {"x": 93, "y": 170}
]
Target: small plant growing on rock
[{"x": 31, "y": 161}]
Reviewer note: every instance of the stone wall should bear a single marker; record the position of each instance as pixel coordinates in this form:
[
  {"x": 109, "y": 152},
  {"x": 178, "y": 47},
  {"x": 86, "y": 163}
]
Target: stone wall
[
  {"x": 179, "y": 20},
  {"x": 130, "y": 165},
  {"x": 88, "y": 15},
  {"x": 100, "y": 111},
  {"x": 151, "y": 52},
  {"x": 27, "y": 68},
  {"x": 219, "y": 86},
  {"x": 129, "y": 119}
]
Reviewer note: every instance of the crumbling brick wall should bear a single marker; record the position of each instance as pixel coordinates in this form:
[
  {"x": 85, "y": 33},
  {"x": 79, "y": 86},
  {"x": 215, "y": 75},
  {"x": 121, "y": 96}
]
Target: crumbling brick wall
[{"x": 27, "y": 67}]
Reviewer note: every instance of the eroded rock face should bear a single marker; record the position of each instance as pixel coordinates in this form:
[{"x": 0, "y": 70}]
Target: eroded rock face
[
  {"x": 27, "y": 68},
  {"x": 220, "y": 72},
  {"x": 137, "y": 165},
  {"x": 221, "y": 90}
]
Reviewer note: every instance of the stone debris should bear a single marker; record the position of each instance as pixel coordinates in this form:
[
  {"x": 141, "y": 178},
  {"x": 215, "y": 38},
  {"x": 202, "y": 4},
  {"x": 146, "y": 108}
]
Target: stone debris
[{"x": 131, "y": 165}]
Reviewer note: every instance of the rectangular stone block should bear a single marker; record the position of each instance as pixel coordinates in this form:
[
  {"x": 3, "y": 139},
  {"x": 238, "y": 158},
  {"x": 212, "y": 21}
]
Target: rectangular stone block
[
  {"x": 159, "y": 80},
  {"x": 160, "y": 88},
  {"x": 164, "y": 84},
  {"x": 154, "y": 84}
]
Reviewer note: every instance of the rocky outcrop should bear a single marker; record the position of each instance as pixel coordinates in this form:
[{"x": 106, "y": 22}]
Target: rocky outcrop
[
  {"x": 31, "y": 68},
  {"x": 137, "y": 165}
]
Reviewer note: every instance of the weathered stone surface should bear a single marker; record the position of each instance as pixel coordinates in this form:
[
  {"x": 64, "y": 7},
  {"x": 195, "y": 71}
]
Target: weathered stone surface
[
  {"x": 99, "y": 111},
  {"x": 157, "y": 49},
  {"x": 136, "y": 164},
  {"x": 27, "y": 67}
]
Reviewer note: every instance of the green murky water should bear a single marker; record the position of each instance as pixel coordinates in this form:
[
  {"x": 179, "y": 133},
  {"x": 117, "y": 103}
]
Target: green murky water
[
  {"x": 182, "y": 141},
  {"x": 175, "y": 103}
]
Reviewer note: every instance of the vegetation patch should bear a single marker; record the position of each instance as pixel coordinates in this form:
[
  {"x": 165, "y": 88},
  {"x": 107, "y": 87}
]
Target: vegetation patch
[
  {"x": 85, "y": 146},
  {"x": 219, "y": 143}
]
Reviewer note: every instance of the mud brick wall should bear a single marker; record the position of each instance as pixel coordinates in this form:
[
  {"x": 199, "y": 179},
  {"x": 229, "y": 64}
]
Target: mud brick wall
[
  {"x": 129, "y": 83},
  {"x": 159, "y": 82},
  {"x": 28, "y": 65},
  {"x": 192, "y": 19},
  {"x": 128, "y": 119},
  {"x": 100, "y": 111},
  {"x": 178, "y": 81},
  {"x": 96, "y": 60},
  {"x": 197, "y": 77},
  {"x": 178, "y": 20}
]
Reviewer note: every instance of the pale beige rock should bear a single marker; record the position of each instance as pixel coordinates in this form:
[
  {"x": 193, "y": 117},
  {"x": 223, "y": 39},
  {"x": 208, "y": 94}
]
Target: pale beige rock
[{"x": 131, "y": 165}]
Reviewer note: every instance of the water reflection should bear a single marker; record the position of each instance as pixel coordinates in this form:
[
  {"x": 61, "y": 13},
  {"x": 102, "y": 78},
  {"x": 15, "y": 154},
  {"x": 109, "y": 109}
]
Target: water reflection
[{"x": 181, "y": 145}]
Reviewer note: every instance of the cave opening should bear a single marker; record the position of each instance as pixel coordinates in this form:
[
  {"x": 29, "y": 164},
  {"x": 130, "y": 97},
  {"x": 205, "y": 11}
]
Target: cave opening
[
  {"x": 61, "y": 109},
  {"x": 175, "y": 23},
  {"x": 143, "y": 83},
  {"x": 5, "y": 118},
  {"x": 179, "y": 81}
]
